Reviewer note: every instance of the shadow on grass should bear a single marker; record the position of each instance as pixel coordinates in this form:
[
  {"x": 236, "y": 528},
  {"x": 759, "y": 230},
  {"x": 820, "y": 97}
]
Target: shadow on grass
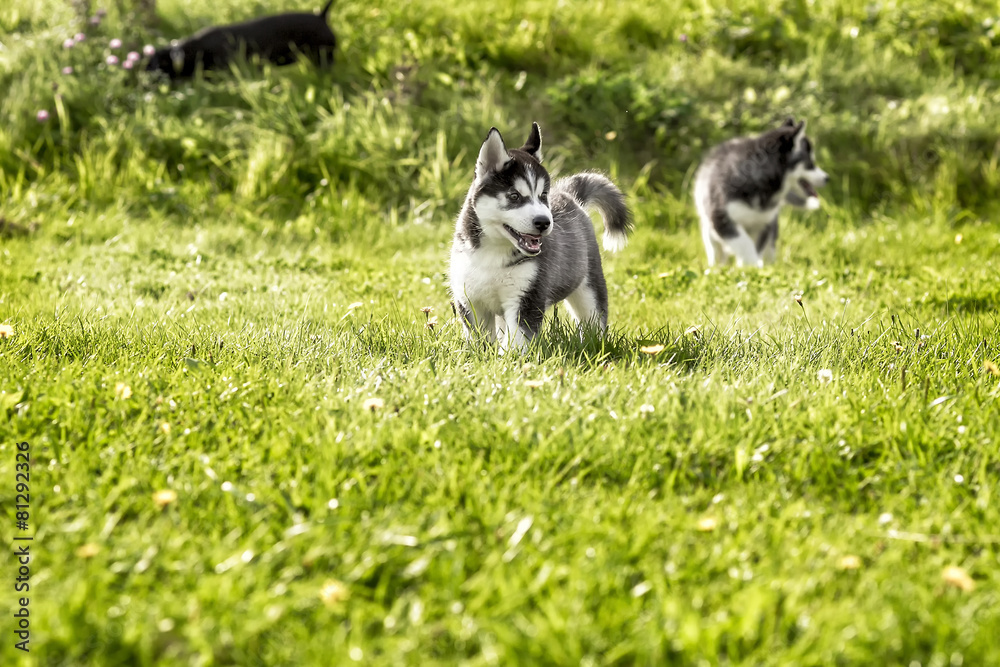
[
  {"x": 559, "y": 339},
  {"x": 587, "y": 347},
  {"x": 968, "y": 303}
]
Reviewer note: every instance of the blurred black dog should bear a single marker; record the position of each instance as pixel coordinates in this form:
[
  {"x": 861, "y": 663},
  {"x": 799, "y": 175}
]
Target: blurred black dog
[{"x": 279, "y": 39}]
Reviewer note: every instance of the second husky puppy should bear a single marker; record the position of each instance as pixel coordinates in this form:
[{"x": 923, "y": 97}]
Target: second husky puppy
[
  {"x": 521, "y": 246},
  {"x": 743, "y": 183}
]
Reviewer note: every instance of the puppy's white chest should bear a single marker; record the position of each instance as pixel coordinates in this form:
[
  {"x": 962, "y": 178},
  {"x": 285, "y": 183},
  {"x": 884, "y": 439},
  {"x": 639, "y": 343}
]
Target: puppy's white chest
[
  {"x": 751, "y": 218},
  {"x": 488, "y": 280}
]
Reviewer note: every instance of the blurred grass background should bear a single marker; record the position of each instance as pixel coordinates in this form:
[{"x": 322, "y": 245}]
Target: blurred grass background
[{"x": 901, "y": 98}]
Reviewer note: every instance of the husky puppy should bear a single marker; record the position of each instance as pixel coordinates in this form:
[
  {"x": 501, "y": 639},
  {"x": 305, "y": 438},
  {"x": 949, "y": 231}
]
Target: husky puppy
[
  {"x": 741, "y": 186},
  {"x": 278, "y": 38},
  {"x": 522, "y": 245}
]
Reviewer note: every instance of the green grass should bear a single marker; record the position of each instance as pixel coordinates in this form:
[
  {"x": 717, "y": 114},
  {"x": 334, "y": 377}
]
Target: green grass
[{"x": 249, "y": 257}]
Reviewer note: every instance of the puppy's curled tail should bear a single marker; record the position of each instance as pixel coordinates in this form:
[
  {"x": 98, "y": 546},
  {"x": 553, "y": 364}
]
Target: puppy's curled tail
[
  {"x": 593, "y": 189},
  {"x": 326, "y": 8}
]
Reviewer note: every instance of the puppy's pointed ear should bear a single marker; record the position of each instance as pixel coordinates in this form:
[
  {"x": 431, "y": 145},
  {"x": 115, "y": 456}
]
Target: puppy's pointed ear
[
  {"x": 800, "y": 133},
  {"x": 492, "y": 156},
  {"x": 533, "y": 145},
  {"x": 791, "y": 141},
  {"x": 789, "y": 122}
]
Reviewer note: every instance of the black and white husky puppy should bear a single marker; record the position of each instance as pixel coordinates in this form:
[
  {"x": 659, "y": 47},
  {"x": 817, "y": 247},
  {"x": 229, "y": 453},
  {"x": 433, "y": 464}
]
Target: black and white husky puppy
[
  {"x": 742, "y": 185},
  {"x": 522, "y": 245}
]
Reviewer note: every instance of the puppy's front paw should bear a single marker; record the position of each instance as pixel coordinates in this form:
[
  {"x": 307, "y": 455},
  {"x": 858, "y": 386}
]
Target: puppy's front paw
[{"x": 513, "y": 344}]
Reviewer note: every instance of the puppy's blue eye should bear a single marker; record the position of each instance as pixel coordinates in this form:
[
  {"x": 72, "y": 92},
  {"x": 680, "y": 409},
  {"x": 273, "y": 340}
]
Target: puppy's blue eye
[{"x": 513, "y": 196}]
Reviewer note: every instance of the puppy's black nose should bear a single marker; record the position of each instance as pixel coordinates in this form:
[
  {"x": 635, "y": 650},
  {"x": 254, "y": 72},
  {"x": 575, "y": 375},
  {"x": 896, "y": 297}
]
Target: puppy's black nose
[{"x": 541, "y": 223}]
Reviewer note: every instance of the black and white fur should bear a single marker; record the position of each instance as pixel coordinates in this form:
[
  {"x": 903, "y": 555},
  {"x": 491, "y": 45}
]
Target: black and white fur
[
  {"x": 279, "y": 38},
  {"x": 741, "y": 186},
  {"x": 521, "y": 245}
]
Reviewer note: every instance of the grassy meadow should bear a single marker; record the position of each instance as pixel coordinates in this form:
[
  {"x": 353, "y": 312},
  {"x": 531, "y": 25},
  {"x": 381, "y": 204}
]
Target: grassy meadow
[{"x": 252, "y": 446}]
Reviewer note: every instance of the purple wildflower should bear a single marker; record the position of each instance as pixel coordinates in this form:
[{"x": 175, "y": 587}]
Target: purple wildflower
[
  {"x": 148, "y": 50},
  {"x": 67, "y": 70},
  {"x": 42, "y": 115},
  {"x": 684, "y": 37},
  {"x": 111, "y": 60},
  {"x": 128, "y": 64},
  {"x": 79, "y": 37},
  {"x": 133, "y": 56},
  {"x": 115, "y": 43},
  {"x": 69, "y": 43}
]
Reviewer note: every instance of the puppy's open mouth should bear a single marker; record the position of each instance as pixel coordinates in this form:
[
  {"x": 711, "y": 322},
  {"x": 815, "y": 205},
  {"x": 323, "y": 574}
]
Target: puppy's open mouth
[
  {"x": 529, "y": 244},
  {"x": 808, "y": 188}
]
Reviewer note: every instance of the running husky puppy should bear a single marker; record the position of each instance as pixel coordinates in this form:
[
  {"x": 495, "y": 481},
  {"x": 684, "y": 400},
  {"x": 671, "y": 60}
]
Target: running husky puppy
[
  {"x": 521, "y": 247},
  {"x": 741, "y": 186}
]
